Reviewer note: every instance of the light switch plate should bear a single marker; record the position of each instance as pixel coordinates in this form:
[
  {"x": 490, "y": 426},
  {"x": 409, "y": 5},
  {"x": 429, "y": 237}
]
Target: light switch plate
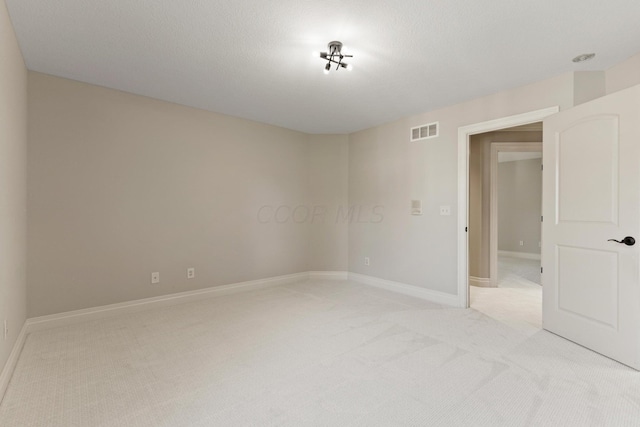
[{"x": 416, "y": 207}]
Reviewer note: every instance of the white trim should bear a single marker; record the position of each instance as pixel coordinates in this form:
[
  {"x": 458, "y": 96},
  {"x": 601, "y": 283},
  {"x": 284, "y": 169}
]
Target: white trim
[
  {"x": 79, "y": 316},
  {"x": 481, "y": 282},
  {"x": 87, "y": 314},
  {"x": 329, "y": 275},
  {"x": 523, "y": 255},
  {"x": 502, "y": 147},
  {"x": 463, "y": 189},
  {"x": 12, "y": 361},
  {"x": 402, "y": 288}
]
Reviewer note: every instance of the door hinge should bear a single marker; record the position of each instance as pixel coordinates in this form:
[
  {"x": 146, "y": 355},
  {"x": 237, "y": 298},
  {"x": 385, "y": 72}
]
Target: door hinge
[
  {"x": 541, "y": 270},
  {"x": 541, "y": 167},
  {"x": 542, "y": 219},
  {"x": 466, "y": 229}
]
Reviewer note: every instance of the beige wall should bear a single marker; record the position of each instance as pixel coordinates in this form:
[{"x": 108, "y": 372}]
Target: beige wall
[
  {"x": 480, "y": 195},
  {"x": 121, "y": 186},
  {"x": 386, "y": 169},
  {"x": 519, "y": 205},
  {"x": 623, "y": 75},
  {"x": 328, "y": 173},
  {"x": 13, "y": 146},
  {"x": 479, "y": 173},
  {"x": 588, "y": 85}
]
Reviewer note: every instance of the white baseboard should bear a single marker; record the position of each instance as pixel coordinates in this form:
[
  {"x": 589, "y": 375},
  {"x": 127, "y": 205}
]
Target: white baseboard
[
  {"x": 41, "y": 323},
  {"x": 329, "y": 275},
  {"x": 79, "y": 316},
  {"x": 523, "y": 255},
  {"x": 481, "y": 282},
  {"x": 10, "y": 366},
  {"x": 94, "y": 313},
  {"x": 411, "y": 290}
]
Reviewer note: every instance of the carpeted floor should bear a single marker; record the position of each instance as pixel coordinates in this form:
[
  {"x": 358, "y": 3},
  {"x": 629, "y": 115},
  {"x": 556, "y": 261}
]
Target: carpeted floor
[
  {"x": 315, "y": 353},
  {"x": 517, "y": 301},
  {"x": 518, "y": 272}
]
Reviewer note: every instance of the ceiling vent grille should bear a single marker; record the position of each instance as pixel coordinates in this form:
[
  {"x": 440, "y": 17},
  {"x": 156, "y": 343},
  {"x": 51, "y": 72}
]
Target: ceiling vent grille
[{"x": 427, "y": 131}]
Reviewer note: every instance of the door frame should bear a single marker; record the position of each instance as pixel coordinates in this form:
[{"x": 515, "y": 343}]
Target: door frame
[
  {"x": 464, "y": 134},
  {"x": 505, "y": 147}
]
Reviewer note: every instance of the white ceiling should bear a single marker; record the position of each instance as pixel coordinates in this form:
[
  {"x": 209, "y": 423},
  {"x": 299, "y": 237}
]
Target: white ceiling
[{"x": 252, "y": 58}]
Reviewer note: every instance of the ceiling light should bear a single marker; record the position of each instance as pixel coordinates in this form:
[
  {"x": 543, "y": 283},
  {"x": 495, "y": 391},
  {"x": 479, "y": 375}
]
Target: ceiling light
[
  {"x": 584, "y": 57},
  {"x": 335, "y": 56}
]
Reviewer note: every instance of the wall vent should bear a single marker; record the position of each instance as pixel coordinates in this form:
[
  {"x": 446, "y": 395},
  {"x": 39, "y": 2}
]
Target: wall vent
[{"x": 427, "y": 131}]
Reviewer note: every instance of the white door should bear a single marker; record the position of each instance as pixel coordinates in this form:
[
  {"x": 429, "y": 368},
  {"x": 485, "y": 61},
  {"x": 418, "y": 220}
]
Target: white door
[{"x": 591, "y": 193}]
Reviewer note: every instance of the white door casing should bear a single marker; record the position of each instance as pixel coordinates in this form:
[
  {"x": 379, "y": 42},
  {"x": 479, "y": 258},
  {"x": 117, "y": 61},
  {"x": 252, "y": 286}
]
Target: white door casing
[
  {"x": 591, "y": 193},
  {"x": 464, "y": 133}
]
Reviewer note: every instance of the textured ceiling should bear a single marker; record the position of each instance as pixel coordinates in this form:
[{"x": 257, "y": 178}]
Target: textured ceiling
[{"x": 252, "y": 58}]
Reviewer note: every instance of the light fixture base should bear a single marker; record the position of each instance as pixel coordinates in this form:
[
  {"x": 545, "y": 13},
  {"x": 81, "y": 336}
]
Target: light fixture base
[{"x": 335, "y": 46}]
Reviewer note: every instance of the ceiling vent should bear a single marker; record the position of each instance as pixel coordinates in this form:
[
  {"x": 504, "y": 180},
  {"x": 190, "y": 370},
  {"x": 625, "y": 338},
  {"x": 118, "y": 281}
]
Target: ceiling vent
[{"x": 427, "y": 131}]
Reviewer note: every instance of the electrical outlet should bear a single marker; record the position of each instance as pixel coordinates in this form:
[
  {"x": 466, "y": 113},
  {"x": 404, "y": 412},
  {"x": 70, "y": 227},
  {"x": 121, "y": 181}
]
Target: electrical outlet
[
  {"x": 155, "y": 277},
  {"x": 445, "y": 210},
  {"x": 5, "y": 329},
  {"x": 191, "y": 273},
  {"x": 521, "y": 242},
  {"x": 367, "y": 261}
]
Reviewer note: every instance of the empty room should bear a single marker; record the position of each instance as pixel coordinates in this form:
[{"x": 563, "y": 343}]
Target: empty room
[{"x": 319, "y": 213}]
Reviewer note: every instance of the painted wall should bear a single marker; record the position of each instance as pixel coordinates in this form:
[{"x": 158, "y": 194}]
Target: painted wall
[
  {"x": 623, "y": 75},
  {"x": 13, "y": 146},
  {"x": 328, "y": 173},
  {"x": 519, "y": 205},
  {"x": 122, "y": 185},
  {"x": 387, "y": 170},
  {"x": 480, "y": 192}
]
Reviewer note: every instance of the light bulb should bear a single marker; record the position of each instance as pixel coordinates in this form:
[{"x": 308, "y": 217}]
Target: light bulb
[
  {"x": 327, "y": 68},
  {"x": 315, "y": 53},
  {"x": 349, "y": 67}
]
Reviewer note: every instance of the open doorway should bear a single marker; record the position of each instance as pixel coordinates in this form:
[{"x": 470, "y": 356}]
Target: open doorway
[
  {"x": 464, "y": 135},
  {"x": 505, "y": 205}
]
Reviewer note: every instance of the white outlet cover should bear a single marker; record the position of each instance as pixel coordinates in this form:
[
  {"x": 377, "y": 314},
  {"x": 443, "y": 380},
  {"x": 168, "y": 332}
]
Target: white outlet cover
[
  {"x": 445, "y": 210},
  {"x": 191, "y": 273},
  {"x": 155, "y": 277}
]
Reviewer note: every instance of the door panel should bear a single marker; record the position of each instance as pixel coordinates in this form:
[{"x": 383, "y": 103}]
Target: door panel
[
  {"x": 591, "y": 193},
  {"x": 588, "y": 284},
  {"x": 588, "y": 194}
]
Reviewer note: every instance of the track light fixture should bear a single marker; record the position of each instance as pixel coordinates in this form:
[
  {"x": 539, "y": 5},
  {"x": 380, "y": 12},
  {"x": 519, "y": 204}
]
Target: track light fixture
[{"x": 335, "y": 56}]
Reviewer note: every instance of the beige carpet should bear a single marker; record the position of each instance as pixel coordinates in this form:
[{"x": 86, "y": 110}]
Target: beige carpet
[
  {"x": 517, "y": 301},
  {"x": 316, "y": 353}
]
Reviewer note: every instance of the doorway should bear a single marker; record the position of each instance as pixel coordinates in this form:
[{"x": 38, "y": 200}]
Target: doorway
[
  {"x": 505, "y": 206},
  {"x": 590, "y": 203},
  {"x": 464, "y": 136}
]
